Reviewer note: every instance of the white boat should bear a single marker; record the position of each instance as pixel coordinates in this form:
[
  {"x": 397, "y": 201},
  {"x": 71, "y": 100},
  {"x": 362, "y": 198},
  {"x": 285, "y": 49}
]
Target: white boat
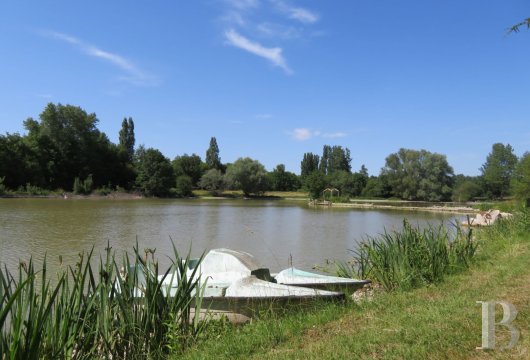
[
  {"x": 233, "y": 281},
  {"x": 296, "y": 277}
]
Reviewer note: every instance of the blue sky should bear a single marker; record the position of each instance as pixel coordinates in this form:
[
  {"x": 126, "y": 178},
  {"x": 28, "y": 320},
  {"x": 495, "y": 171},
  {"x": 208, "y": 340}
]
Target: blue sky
[{"x": 272, "y": 79}]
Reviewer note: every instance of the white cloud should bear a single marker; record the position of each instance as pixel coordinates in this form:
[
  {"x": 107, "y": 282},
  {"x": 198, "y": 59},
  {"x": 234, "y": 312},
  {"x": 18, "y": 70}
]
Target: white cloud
[
  {"x": 302, "y": 134},
  {"x": 263, "y": 116},
  {"x": 273, "y": 30},
  {"x": 134, "y": 75},
  {"x": 334, "y": 135},
  {"x": 297, "y": 13},
  {"x": 303, "y": 15},
  {"x": 234, "y": 17},
  {"x": 274, "y": 55}
]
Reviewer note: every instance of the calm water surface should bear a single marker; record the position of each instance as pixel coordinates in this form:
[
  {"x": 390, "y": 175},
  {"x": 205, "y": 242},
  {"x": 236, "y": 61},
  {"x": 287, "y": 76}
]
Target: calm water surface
[{"x": 270, "y": 230}]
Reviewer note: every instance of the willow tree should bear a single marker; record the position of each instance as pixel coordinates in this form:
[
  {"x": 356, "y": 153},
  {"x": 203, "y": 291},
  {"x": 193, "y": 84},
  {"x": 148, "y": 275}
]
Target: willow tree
[
  {"x": 418, "y": 175},
  {"x": 247, "y": 175}
]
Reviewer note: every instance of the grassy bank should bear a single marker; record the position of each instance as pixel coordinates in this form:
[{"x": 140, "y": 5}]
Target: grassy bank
[{"x": 437, "y": 322}]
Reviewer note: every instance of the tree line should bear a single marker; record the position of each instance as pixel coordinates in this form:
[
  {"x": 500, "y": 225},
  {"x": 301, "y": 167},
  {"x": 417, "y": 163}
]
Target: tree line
[{"x": 65, "y": 150}]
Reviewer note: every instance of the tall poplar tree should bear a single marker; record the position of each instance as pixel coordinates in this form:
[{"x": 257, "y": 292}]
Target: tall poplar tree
[
  {"x": 213, "y": 161},
  {"x": 127, "y": 139},
  {"x": 309, "y": 164}
]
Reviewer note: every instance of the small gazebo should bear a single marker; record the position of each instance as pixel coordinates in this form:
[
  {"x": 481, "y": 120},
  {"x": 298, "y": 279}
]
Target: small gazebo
[{"x": 330, "y": 191}]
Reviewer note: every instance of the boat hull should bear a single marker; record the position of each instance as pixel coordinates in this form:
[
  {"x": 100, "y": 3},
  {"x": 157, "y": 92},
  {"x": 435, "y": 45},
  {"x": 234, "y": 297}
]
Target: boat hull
[{"x": 296, "y": 277}]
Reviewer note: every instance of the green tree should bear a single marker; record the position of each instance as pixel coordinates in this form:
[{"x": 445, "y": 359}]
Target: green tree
[
  {"x": 315, "y": 183},
  {"x": 498, "y": 169},
  {"x": 376, "y": 187},
  {"x": 341, "y": 180},
  {"x": 310, "y": 163},
  {"x": 213, "y": 181},
  {"x": 247, "y": 175},
  {"x": 184, "y": 186},
  {"x": 324, "y": 160},
  {"x": 466, "y": 191},
  {"x": 521, "y": 179},
  {"x": 2, "y": 186},
  {"x": 155, "y": 173},
  {"x": 18, "y": 162},
  {"x": 334, "y": 159},
  {"x": 339, "y": 160},
  {"x": 281, "y": 180},
  {"x": 213, "y": 161},
  {"x": 67, "y": 144},
  {"x": 418, "y": 175},
  {"x": 189, "y": 165},
  {"x": 466, "y": 188},
  {"x": 127, "y": 138}
]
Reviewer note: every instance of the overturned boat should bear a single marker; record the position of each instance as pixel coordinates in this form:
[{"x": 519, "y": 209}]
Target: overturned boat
[{"x": 234, "y": 281}]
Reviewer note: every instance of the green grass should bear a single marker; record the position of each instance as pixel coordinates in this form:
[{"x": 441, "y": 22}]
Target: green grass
[
  {"x": 439, "y": 321},
  {"x": 411, "y": 257},
  {"x": 509, "y": 205}
]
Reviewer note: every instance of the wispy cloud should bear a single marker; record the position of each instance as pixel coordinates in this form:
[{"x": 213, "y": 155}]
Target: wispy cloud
[
  {"x": 272, "y": 30},
  {"x": 134, "y": 74},
  {"x": 247, "y": 22},
  {"x": 303, "y": 15},
  {"x": 263, "y": 116},
  {"x": 243, "y": 4},
  {"x": 297, "y": 13},
  {"x": 274, "y": 55},
  {"x": 302, "y": 134},
  {"x": 334, "y": 135},
  {"x": 234, "y": 18}
]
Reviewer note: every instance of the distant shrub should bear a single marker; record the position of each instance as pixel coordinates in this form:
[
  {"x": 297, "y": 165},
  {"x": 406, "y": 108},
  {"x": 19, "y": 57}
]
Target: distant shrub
[
  {"x": 213, "y": 181},
  {"x": 103, "y": 191},
  {"x": 32, "y": 190},
  {"x": 83, "y": 187},
  {"x": 184, "y": 186}
]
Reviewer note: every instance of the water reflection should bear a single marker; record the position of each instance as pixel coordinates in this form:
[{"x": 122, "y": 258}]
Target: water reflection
[{"x": 271, "y": 230}]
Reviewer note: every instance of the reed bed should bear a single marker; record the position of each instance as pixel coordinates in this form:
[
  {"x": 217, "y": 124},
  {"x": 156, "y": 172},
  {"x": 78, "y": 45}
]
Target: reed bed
[
  {"x": 411, "y": 257},
  {"x": 115, "y": 310}
]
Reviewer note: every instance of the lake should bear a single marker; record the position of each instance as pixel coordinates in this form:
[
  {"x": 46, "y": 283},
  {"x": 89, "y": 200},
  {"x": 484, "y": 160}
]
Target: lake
[{"x": 274, "y": 231}]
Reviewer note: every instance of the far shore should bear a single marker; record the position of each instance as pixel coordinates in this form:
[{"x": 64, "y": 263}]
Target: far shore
[
  {"x": 375, "y": 204},
  {"x": 434, "y": 208}
]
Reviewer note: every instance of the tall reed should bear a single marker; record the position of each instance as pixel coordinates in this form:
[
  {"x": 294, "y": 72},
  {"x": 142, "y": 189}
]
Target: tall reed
[
  {"x": 115, "y": 310},
  {"x": 411, "y": 257}
]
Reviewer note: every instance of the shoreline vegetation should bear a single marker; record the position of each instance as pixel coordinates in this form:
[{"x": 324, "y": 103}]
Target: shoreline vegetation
[
  {"x": 371, "y": 204},
  {"x": 103, "y": 307},
  {"x": 426, "y": 285},
  {"x": 437, "y": 321}
]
